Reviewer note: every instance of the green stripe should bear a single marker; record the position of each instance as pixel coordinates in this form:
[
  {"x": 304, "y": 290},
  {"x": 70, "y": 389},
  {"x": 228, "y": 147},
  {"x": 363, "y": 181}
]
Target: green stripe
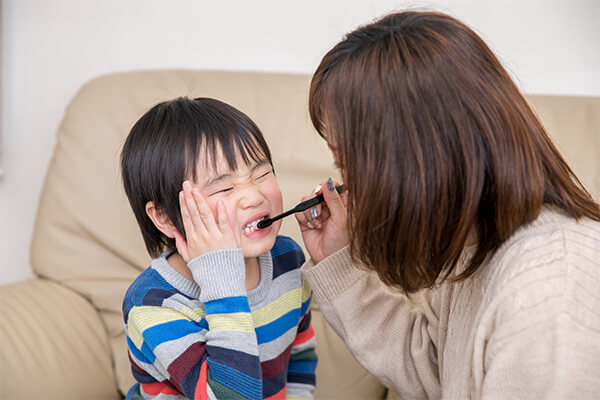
[{"x": 308, "y": 354}]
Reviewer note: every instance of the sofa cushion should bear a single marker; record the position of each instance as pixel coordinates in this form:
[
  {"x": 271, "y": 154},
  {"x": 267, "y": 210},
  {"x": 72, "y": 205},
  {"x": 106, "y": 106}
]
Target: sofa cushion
[{"x": 54, "y": 345}]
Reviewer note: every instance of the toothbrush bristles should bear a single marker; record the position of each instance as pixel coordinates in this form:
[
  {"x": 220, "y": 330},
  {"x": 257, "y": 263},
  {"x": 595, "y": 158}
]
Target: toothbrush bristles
[{"x": 265, "y": 223}]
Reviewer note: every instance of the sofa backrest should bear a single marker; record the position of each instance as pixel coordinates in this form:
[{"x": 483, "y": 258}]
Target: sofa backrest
[{"x": 86, "y": 236}]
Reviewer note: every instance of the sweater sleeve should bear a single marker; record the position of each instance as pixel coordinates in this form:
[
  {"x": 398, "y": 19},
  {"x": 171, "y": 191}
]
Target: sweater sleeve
[
  {"x": 301, "y": 379},
  {"x": 214, "y": 355},
  {"x": 391, "y": 337}
]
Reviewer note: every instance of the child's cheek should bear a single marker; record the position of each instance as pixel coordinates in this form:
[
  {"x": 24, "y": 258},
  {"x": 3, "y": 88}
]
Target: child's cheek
[{"x": 277, "y": 200}]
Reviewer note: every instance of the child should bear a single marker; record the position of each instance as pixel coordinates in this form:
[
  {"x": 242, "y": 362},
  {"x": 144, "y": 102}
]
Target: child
[{"x": 222, "y": 312}]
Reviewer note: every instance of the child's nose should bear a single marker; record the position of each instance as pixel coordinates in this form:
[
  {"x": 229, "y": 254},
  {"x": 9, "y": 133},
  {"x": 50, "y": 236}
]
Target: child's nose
[{"x": 250, "y": 197}]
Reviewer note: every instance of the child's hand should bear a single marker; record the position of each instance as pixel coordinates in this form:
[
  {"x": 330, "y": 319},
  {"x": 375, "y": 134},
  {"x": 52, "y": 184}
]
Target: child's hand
[{"x": 203, "y": 231}]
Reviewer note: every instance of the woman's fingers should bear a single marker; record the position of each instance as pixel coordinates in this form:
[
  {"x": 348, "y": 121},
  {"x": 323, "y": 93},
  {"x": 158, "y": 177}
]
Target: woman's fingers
[
  {"x": 304, "y": 218},
  {"x": 335, "y": 204}
]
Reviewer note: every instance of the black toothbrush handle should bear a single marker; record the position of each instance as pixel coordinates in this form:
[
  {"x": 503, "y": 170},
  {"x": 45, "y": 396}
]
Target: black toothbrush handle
[{"x": 305, "y": 205}]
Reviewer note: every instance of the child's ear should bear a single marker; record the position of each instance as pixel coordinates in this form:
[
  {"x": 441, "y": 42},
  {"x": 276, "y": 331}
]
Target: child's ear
[{"x": 160, "y": 220}]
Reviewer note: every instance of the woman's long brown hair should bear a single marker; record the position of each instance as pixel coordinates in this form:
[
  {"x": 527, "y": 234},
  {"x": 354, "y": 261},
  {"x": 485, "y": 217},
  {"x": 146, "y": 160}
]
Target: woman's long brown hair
[{"x": 434, "y": 140}]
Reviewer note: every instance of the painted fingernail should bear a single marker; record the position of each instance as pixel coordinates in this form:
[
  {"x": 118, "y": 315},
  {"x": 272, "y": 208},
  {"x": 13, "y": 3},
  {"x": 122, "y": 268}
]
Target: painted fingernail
[
  {"x": 330, "y": 185},
  {"x": 317, "y": 188},
  {"x": 310, "y": 225},
  {"x": 314, "y": 213}
]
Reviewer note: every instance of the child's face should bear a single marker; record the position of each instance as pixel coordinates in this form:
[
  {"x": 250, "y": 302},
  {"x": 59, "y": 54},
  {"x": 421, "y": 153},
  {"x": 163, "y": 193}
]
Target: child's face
[{"x": 250, "y": 193}]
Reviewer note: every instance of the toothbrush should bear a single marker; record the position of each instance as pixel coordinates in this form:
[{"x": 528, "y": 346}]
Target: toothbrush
[{"x": 305, "y": 205}]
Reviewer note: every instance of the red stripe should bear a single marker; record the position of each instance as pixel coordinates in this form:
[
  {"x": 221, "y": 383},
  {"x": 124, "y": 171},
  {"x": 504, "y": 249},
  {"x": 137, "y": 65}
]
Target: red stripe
[
  {"x": 201, "y": 392},
  {"x": 275, "y": 366},
  {"x": 186, "y": 361},
  {"x": 154, "y": 389},
  {"x": 277, "y": 396},
  {"x": 304, "y": 336}
]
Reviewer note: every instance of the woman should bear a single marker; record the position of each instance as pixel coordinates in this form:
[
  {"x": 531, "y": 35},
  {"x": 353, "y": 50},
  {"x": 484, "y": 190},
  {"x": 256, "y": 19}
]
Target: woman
[{"x": 464, "y": 260}]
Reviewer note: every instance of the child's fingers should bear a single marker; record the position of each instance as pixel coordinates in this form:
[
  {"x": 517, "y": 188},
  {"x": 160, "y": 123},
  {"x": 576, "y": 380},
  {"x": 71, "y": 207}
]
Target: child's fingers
[
  {"x": 192, "y": 209},
  {"x": 181, "y": 245},
  {"x": 207, "y": 219},
  {"x": 223, "y": 218},
  {"x": 230, "y": 237},
  {"x": 185, "y": 215}
]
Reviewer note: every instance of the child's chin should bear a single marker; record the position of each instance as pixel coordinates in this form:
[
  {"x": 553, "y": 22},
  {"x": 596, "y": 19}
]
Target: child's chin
[{"x": 258, "y": 247}]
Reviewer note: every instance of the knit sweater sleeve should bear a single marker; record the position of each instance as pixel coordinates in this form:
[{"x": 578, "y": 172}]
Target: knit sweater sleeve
[
  {"x": 301, "y": 380},
  {"x": 215, "y": 356},
  {"x": 391, "y": 337}
]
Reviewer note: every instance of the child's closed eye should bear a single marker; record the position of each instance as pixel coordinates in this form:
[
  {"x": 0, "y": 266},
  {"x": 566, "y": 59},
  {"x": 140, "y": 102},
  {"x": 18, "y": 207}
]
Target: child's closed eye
[
  {"x": 263, "y": 174},
  {"x": 221, "y": 190}
]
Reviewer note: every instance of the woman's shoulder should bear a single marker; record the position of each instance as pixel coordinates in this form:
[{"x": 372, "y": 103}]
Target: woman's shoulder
[
  {"x": 554, "y": 257},
  {"x": 554, "y": 234}
]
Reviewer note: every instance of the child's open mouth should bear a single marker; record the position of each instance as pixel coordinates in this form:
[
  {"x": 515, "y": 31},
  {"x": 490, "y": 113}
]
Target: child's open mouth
[{"x": 252, "y": 226}]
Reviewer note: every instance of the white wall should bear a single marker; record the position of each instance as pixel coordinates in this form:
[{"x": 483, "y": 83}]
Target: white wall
[{"x": 51, "y": 47}]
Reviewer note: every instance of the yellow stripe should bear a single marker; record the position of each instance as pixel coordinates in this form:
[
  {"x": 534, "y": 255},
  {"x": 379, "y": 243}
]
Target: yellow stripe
[
  {"x": 195, "y": 314},
  {"x": 144, "y": 317},
  {"x": 279, "y": 307},
  {"x": 294, "y": 397},
  {"x": 306, "y": 291},
  {"x": 238, "y": 322}
]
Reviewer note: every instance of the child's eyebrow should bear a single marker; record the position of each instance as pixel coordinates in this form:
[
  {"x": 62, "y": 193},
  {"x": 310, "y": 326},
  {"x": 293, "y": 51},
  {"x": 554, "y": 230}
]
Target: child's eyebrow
[{"x": 229, "y": 174}]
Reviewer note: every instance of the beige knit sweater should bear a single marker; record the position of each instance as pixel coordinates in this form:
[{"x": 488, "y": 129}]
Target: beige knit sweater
[{"x": 526, "y": 325}]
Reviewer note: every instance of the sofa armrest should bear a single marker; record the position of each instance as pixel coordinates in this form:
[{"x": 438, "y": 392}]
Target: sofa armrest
[{"x": 53, "y": 344}]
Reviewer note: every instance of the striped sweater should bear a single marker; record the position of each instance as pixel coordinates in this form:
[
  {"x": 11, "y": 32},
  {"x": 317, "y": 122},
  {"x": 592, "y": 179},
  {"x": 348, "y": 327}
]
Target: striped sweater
[{"x": 210, "y": 338}]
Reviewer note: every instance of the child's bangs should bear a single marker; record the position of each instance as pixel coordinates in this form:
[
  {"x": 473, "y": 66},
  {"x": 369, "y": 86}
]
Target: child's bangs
[
  {"x": 232, "y": 147},
  {"x": 237, "y": 145}
]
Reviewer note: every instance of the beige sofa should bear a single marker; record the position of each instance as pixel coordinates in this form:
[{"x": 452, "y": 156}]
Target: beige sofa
[{"x": 61, "y": 334}]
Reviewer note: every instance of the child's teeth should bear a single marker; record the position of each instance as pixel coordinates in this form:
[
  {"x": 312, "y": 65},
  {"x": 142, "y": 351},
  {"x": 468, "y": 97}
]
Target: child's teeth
[{"x": 251, "y": 226}]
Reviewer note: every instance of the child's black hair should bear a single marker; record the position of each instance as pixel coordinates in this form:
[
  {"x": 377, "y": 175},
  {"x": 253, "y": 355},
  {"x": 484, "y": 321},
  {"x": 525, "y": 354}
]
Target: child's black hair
[{"x": 163, "y": 148}]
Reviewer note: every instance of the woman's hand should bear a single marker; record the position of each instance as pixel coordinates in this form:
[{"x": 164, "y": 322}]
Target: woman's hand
[
  {"x": 204, "y": 232},
  {"x": 324, "y": 227}
]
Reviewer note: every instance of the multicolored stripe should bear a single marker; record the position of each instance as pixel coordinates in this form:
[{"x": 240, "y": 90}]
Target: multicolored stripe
[{"x": 210, "y": 342}]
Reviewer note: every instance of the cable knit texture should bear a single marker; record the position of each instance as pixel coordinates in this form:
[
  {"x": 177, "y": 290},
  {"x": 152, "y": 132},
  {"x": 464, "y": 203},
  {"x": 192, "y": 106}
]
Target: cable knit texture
[{"x": 526, "y": 325}]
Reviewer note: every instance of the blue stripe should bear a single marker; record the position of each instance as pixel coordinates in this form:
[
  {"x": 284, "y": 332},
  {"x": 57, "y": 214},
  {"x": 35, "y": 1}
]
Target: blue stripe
[
  {"x": 274, "y": 384},
  {"x": 137, "y": 353},
  {"x": 308, "y": 379},
  {"x": 305, "y": 306},
  {"x": 227, "y": 305},
  {"x": 167, "y": 331},
  {"x": 277, "y": 328},
  {"x": 149, "y": 281},
  {"x": 241, "y": 383},
  {"x": 284, "y": 244},
  {"x": 133, "y": 389},
  {"x": 245, "y": 363},
  {"x": 190, "y": 381},
  {"x": 303, "y": 366}
]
